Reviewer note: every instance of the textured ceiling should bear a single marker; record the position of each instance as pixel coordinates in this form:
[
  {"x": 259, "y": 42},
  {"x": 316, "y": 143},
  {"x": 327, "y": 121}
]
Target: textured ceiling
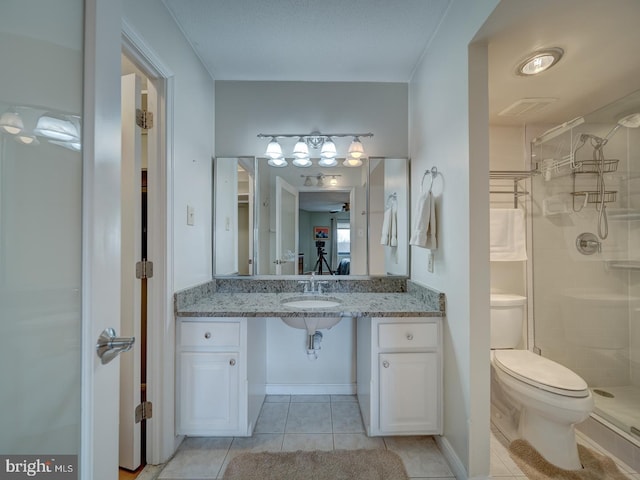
[{"x": 309, "y": 40}]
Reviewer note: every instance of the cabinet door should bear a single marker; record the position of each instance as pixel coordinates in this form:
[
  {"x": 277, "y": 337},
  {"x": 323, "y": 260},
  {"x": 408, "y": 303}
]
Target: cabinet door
[
  {"x": 209, "y": 396},
  {"x": 409, "y": 392}
]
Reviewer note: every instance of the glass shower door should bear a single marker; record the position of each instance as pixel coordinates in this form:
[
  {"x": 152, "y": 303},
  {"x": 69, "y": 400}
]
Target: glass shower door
[{"x": 586, "y": 260}]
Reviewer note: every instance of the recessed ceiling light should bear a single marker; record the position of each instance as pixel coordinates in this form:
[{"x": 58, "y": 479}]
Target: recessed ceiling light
[{"x": 539, "y": 61}]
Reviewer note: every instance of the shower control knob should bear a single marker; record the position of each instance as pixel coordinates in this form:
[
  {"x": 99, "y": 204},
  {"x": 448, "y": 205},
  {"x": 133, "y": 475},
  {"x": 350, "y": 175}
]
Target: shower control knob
[{"x": 385, "y": 364}]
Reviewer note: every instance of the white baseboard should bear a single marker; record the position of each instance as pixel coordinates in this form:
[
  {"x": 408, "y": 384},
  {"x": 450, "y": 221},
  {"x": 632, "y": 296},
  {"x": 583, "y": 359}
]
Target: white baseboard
[
  {"x": 455, "y": 464},
  {"x": 306, "y": 389}
]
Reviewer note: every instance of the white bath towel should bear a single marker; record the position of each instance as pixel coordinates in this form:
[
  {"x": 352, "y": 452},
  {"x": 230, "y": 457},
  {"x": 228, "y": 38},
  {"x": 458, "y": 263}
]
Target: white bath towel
[
  {"x": 424, "y": 231},
  {"x": 389, "y": 236},
  {"x": 507, "y": 235}
]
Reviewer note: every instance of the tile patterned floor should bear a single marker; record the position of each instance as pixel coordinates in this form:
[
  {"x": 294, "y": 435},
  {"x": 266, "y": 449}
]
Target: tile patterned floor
[
  {"x": 304, "y": 422},
  {"x": 328, "y": 422}
]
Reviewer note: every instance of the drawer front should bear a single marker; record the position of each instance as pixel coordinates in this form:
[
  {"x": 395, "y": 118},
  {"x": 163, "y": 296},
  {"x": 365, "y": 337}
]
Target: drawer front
[
  {"x": 210, "y": 334},
  {"x": 407, "y": 335}
]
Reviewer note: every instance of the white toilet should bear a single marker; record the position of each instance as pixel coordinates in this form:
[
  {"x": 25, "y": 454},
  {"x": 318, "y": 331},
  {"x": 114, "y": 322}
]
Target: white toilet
[{"x": 532, "y": 397}]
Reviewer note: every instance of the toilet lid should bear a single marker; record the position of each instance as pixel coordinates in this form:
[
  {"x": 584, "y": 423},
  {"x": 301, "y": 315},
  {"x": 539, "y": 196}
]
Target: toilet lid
[{"x": 541, "y": 372}]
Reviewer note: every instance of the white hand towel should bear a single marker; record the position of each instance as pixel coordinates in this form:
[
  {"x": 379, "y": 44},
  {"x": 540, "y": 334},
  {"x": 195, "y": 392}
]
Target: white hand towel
[
  {"x": 389, "y": 235},
  {"x": 393, "y": 230},
  {"x": 507, "y": 235},
  {"x": 385, "y": 238},
  {"x": 424, "y": 231}
]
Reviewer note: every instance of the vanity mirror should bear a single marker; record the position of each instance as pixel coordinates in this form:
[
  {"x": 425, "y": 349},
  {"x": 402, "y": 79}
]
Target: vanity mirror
[{"x": 327, "y": 220}]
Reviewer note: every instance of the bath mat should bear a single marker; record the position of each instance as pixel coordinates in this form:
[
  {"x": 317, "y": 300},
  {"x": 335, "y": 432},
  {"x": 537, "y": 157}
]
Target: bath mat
[
  {"x": 317, "y": 465},
  {"x": 535, "y": 467}
]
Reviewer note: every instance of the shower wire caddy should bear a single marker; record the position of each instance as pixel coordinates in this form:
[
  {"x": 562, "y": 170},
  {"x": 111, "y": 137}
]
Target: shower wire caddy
[{"x": 593, "y": 167}]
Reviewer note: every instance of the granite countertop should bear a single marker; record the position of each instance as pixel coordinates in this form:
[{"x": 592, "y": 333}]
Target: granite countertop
[{"x": 269, "y": 305}]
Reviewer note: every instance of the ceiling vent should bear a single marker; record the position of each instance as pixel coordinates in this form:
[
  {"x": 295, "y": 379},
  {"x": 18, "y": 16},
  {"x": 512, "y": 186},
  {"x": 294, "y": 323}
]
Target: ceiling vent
[{"x": 526, "y": 106}]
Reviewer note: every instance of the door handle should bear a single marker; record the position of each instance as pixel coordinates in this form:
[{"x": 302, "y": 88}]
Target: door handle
[{"x": 109, "y": 346}]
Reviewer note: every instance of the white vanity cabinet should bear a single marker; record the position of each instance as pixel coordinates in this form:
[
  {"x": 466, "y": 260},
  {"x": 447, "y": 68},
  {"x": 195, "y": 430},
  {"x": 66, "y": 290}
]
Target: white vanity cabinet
[
  {"x": 220, "y": 386},
  {"x": 399, "y": 371}
]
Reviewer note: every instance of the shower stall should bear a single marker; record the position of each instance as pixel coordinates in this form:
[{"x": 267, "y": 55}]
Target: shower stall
[{"x": 585, "y": 239}]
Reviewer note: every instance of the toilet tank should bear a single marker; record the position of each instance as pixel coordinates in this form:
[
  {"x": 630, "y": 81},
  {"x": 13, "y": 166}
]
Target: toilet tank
[{"x": 507, "y": 318}]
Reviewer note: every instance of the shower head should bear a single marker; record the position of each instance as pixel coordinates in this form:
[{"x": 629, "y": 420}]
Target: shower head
[{"x": 630, "y": 121}]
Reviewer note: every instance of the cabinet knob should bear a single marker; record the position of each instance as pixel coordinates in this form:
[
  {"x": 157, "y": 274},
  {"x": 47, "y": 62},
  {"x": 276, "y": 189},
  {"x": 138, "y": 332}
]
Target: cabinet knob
[
  {"x": 207, "y": 335},
  {"x": 385, "y": 364},
  {"x": 409, "y": 336},
  {"x": 232, "y": 362}
]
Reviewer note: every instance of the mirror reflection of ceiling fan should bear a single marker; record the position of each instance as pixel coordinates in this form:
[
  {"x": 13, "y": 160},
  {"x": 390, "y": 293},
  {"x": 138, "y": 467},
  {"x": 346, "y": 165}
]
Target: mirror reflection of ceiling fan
[
  {"x": 324, "y": 201},
  {"x": 345, "y": 208}
]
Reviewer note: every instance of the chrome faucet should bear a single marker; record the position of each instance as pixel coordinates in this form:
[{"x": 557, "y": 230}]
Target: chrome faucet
[{"x": 312, "y": 285}]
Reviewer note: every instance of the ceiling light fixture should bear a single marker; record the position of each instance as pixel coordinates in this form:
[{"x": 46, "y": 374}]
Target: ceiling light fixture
[
  {"x": 314, "y": 140},
  {"x": 539, "y": 61}
]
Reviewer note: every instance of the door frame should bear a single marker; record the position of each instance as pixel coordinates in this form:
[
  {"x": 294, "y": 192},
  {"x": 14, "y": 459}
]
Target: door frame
[{"x": 161, "y": 439}]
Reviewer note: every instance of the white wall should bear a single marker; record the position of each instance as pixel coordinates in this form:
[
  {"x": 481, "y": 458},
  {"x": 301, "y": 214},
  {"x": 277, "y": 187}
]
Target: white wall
[
  {"x": 289, "y": 371},
  {"x": 244, "y": 109},
  {"x": 448, "y": 129},
  {"x": 193, "y": 123}
]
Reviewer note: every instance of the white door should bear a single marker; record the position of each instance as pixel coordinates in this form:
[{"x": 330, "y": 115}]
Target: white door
[
  {"x": 286, "y": 254},
  {"x": 130, "y": 307}
]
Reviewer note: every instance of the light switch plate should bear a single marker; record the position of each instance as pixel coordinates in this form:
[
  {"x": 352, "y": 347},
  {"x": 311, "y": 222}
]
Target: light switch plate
[{"x": 191, "y": 215}]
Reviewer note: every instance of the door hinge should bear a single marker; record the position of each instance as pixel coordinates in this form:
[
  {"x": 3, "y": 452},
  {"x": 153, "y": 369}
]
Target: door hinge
[
  {"x": 144, "y": 119},
  {"x": 144, "y": 411},
  {"x": 144, "y": 269}
]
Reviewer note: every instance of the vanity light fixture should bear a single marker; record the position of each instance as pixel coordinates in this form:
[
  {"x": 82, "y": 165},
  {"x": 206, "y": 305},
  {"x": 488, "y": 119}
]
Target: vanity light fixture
[
  {"x": 539, "y": 61},
  {"x": 314, "y": 140},
  {"x": 320, "y": 180}
]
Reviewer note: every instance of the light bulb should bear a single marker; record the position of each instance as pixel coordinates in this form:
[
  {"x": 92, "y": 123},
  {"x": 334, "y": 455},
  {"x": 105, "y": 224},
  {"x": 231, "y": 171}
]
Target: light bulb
[
  {"x": 352, "y": 162},
  {"x": 356, "y": 150},
  {"x": 302, "y": 162},
  {"x": 328, "y": 149},
  {"x": 277, "y": 162},
  {"x": 307, "y": 182},
  {"x": 327, "y": 162},
  {"x": 301, "y": 149},
  {"x": 334, "y": 181},
  {"x": 274, "y": 150}
]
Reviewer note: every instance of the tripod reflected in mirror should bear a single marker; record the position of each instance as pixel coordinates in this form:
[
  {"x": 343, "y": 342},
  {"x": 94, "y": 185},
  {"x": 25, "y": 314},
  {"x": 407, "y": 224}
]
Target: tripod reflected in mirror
[{"x": 321, "y": 259}]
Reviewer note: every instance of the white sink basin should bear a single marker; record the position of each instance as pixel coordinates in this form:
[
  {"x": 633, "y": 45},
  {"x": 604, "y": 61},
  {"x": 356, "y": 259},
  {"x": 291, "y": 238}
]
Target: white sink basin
[
  {"x": 307, "y": 305},
  {"x": 311, "y": 324},
  {"x": 311, "y": 303}
]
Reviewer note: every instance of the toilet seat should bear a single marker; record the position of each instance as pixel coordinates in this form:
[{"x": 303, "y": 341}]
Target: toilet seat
[{"x": 540, "y": 372}]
